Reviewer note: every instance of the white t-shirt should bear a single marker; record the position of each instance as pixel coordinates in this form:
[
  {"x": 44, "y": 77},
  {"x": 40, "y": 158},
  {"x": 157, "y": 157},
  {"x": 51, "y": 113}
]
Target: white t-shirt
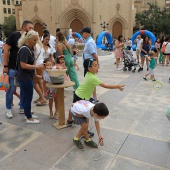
[
  {"x": 1, "y": 44},
  {"x": 139, "y": 42},
  {"x": 71, "y": 41},
  {"x": 167, "y": 49},
  {"x": 39, "y": 54},
  {"x": 82, "y": 107},
  {"x": 46, "y": 54},
  {"x": 52, "y": 42}
]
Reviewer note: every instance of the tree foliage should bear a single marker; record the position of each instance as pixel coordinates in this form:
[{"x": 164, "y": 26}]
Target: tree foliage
[
  {"x": 154, "y": 19},
  {"x": 9, "y": 25}
]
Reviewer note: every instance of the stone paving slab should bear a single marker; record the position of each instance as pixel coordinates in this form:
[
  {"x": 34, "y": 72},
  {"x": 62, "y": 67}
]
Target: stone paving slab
[
  {"x": 146, "y": 150},
  {"x": 16, "y": 137},
  {"x": 75, "y": 159},
  {"x": 124, "y": 163}
]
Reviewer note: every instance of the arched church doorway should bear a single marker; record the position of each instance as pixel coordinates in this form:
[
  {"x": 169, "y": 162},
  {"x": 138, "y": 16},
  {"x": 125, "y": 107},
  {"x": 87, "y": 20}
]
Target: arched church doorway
[
  {"x": 76, "y": 25},
  {"x": 116, "y": 29},
  {"x": 38, "y": 28}
]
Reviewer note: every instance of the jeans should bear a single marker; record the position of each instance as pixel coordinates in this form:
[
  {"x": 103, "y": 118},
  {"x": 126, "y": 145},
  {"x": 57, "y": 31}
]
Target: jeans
[
  {"x": 27, "y": 88},
  {"x": 1, "y": 59},
  {"x": 10, "y": 92}
]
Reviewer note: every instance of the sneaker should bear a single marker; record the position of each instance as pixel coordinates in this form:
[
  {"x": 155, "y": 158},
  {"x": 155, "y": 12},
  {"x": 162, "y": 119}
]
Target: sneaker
[
  {"x": 119, "y": 69},
  {"x": 35, "y": 121},
  {"x": 21, "y": 111},
  {"x": 90, "y": 133},
  {"x": 9, "y": 114},
  {"x": 140, "y": 69},
  {"x": 33, "y": 116},
  {"x": 78, "y": 144},
  {"x": 153, "y": 80},
  {"x": 92, "y": 100},
  {"x": 144, "y": 78},
  {"x": 91, "y": 144},
  {"x": 69, "y": 123}
]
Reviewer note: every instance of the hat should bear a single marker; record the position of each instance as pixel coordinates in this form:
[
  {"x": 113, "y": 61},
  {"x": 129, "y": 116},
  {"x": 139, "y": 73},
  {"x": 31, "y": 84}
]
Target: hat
[
  {"x": 86, "y": 29},
  {"x": 60, "y": 56}
]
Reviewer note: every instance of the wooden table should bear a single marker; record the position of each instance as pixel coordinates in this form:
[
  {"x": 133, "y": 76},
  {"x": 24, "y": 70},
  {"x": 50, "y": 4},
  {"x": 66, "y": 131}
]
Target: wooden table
[{"x": 60, "y": 100}]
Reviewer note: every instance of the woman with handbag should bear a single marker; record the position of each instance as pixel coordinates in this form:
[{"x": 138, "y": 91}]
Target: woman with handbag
[
  {"x": 63, "y": 48},
  {"x": 166, "y": 50},
  {"x": 26, "y": 71}
]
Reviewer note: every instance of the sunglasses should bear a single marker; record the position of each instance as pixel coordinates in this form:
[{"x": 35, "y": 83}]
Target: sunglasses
[{"x": 90, "y": 61}]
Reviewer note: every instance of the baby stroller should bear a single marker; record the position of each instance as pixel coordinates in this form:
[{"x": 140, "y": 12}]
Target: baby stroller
[{"x": 130, "y": 62}]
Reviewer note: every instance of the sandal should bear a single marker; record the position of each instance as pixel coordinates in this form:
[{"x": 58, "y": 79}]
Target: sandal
[
  {"x": 51, "y": 117},
  {"x": 35, "y": 101},
  {"x": 41, "y": 103},
  {"x": 56, "y": 116}
]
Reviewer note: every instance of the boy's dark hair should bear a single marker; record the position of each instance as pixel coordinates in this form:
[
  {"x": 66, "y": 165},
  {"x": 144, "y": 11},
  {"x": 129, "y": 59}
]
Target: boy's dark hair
[
  {"x": 46, "y": 60},
  {"x": 101, "y": 109},
  {"x": 88, "y": 62}
]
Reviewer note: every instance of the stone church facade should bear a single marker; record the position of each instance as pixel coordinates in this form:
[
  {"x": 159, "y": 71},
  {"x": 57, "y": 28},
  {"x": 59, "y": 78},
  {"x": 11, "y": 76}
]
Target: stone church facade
[{"x": 76, "y": 14}]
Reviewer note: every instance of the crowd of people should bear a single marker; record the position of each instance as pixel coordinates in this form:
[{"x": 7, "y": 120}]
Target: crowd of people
[{"x": 26, "y": 56}]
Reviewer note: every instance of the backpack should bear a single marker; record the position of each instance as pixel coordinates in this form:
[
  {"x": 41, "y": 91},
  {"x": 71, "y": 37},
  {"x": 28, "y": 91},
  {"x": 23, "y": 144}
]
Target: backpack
[
  {"x": 4, "y": 82},
  {"x": 164, "y": 47}
]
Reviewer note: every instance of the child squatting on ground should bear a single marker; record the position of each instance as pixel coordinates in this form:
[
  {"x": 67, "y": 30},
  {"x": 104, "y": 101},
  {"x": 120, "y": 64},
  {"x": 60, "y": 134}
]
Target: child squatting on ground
[
  {"x": 86, "y": 88},
  {"x": 50, "y": 93},
  {"x": 152, "y": 65},
  {"x": 81, "y": 111}
]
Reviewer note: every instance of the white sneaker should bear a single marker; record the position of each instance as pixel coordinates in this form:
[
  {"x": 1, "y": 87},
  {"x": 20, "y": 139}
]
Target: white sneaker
[
  {"x": 35, "y": 121},
  {"x": 21, "y": 111},
  {"x": 33, "y": 116},
  {"x": 119, "y": 69},
  {"x": 9, "y": 114}
]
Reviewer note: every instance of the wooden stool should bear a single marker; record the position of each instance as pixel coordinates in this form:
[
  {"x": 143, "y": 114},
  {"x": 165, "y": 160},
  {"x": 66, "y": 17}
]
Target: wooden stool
[{"x": 60, "y": 99}]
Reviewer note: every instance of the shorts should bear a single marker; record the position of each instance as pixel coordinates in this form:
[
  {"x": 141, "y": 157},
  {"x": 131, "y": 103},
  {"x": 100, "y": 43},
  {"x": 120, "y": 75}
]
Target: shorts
[
  {"x": 137, "y": 52},
  {"x": 142, "y": 55},
  {"x": 76, "y": 98},
  {"x": 166, "y": 53},
  {"x": 151, "y": 72},
  {"x": 79, "y": 120}
]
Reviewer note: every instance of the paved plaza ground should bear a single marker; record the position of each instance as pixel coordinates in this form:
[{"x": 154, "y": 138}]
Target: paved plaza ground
[{"x": 135, "y": 132}]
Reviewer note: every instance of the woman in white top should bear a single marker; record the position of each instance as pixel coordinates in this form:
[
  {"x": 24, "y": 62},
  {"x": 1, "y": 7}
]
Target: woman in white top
[
  {"x": 38, "y": 81},
  {"x": 167, "y": 50},
  {"x": 47, "y": 50}
]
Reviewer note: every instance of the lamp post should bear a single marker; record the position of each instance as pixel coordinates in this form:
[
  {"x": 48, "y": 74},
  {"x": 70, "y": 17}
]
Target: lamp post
[{"x": 104, "y": 25}]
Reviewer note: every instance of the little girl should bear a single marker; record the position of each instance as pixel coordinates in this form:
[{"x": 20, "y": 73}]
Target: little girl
[
  {"x": 75, "y": 56},
  {"x": 152, "y": 65},
  {"x": 61, "y": 65},
  {"x": 51, "y": 93}
]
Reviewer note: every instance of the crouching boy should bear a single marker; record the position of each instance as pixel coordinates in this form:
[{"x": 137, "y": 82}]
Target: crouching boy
[{"x": 81, "y": 111}]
